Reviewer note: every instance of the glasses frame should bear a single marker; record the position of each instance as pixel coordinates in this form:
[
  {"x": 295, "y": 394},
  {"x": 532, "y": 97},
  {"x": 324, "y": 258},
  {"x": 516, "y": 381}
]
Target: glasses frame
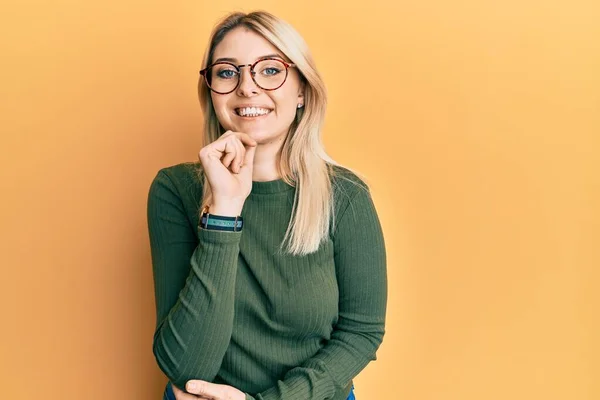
[{"x": 252, "y": 72}]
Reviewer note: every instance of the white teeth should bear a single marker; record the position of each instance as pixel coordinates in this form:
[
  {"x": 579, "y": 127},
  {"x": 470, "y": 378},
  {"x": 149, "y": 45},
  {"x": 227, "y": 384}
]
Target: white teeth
[{"x": 252, "y": 111}]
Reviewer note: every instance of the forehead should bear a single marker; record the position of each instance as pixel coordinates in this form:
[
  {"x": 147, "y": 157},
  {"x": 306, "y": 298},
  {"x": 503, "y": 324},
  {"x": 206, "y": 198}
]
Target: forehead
[{"x": 245, "y": 46}]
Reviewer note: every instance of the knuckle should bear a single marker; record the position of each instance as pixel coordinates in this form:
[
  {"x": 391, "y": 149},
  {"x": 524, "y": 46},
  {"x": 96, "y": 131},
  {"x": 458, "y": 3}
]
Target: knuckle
[{"x": 202, "y": 387}]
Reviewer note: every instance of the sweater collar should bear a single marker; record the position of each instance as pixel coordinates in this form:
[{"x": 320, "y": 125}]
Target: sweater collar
[{"x": 276, "y": 186}]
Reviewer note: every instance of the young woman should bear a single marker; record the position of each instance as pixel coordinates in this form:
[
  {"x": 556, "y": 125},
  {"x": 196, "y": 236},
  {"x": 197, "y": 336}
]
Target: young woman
[{"x": 268, "y": 257}]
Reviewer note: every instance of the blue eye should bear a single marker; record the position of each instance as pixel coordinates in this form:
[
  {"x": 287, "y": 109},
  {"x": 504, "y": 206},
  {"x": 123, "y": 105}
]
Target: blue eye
[
  {"x": 226, "y": 74},
  {"x": 271, "y": 71}
]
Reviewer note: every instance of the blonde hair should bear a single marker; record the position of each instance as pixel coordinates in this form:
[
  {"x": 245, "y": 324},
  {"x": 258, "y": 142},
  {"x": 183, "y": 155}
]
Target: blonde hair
[{"x": 302, "y": 161}]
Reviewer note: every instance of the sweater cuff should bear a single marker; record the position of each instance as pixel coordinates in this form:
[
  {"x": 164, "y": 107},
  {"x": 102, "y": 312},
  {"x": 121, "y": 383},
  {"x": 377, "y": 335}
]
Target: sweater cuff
[{"x": 214, "y": 236}]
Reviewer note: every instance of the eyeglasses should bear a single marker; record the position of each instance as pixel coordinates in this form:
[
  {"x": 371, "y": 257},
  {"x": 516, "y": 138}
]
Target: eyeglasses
[{"x": 267, "y": 73}]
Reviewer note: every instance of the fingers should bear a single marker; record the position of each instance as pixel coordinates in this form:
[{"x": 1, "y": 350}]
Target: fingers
[
  {"x": 248, "y": 163},
  {"x": 239, "y": 157},
  {"x": 230, "y": 149},
  {"x": 181, "y": 395},
  {"x": 234, "y": 154},
  {"x": 214, "y": 391},
  {"x": 227, "y": 157},
  {"x": 244, "y": 137},
  {"x": 203, "y": 388}
]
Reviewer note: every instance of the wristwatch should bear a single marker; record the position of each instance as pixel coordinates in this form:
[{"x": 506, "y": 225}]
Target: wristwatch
[{"x": 219, "y": 222}]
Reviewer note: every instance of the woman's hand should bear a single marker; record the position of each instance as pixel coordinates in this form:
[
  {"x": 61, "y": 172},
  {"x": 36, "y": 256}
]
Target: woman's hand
[
  {"x": 181, "y": 395},
  {"x": 208, "y": 391},
  {"x": 228, "y": 164}
]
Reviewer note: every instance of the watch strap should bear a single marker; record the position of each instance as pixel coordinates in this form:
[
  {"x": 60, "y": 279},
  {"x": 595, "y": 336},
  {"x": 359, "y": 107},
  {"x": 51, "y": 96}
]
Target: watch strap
[{"x": 221, "y": 223}]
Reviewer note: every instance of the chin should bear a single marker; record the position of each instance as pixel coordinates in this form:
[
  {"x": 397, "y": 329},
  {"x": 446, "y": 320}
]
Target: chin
[{"x": 260, "y": 136}]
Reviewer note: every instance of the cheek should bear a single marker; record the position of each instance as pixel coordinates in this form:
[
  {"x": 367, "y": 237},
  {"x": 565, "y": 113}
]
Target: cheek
[
  {"x": 286, "y": 115},
  {"x": 220, "y": 108},
  {"x": 286, "y": 105},
  {"x": 218, "y": 103}
]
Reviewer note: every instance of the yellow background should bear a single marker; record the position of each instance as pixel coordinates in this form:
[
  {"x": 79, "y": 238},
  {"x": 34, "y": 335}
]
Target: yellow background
[{"x": 477, "y": 123}]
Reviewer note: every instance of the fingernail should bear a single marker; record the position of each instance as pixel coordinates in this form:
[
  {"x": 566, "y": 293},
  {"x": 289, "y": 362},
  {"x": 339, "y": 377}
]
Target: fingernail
[{"x": 191, "y": 386}]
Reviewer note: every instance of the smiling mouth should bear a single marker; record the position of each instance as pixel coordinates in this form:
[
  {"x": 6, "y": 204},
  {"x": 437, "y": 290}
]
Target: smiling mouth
[{"x": 252, "y": 112}]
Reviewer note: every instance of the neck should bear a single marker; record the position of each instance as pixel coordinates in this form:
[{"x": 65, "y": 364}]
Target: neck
[{"x": 265, "y": 162}]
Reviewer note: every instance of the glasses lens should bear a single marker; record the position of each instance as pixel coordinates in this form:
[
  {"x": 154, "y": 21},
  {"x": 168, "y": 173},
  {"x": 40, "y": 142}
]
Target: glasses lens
[
  {"x": 270, "y": 74},
  {"x": 222, "y": 78}
]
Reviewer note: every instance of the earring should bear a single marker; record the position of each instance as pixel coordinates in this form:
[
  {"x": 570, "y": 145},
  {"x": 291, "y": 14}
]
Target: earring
[{"x": 300, "y": 105}]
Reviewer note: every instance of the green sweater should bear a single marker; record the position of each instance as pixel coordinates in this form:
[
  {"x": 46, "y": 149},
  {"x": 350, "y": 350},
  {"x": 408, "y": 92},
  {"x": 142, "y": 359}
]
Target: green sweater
[{"x": 231, "y": 310}]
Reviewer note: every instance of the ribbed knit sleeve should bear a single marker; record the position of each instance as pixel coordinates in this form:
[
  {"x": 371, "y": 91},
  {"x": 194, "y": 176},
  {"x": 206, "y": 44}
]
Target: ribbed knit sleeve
[
  {"x": 360, "y": 262},
  {"x": 194, "y": 281}
]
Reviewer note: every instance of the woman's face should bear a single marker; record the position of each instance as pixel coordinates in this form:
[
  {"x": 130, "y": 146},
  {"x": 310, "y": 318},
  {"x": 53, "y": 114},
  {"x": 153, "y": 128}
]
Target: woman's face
[{"x": 243, "y": 46}]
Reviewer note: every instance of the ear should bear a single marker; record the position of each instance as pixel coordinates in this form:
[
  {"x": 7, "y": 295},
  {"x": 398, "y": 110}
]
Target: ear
[{"x": 301, "y": 93}]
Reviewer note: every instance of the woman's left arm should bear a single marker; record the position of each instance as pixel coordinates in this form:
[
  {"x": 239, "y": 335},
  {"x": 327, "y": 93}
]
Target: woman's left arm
[{"x": 360, "y": 260}]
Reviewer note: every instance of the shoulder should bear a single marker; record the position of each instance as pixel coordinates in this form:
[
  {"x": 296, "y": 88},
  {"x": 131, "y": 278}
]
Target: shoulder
[
  {"x": 351, "y": 196},
  {"x": 353, "y": 206},
  {"x": 183, "y": 180},
  {"x": 346, "y": 184},
  {"x": 182, "y": 174}
]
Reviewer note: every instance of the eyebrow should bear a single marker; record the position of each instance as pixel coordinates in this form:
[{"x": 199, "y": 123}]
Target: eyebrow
[{"x": 235, "y": 60}]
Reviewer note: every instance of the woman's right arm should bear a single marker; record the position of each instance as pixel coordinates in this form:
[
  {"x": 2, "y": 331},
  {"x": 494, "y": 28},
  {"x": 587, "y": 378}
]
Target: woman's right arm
[
  {"x": 194, "y": 282},
  {"x": 195, "y": 279}
]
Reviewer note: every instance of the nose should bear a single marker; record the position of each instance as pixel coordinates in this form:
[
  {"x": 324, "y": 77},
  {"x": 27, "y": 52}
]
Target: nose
[{"x": 247, "y": 87}]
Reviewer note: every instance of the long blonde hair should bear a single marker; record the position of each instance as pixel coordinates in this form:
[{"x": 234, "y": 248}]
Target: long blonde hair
[{"x": 302, "y": 161}]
